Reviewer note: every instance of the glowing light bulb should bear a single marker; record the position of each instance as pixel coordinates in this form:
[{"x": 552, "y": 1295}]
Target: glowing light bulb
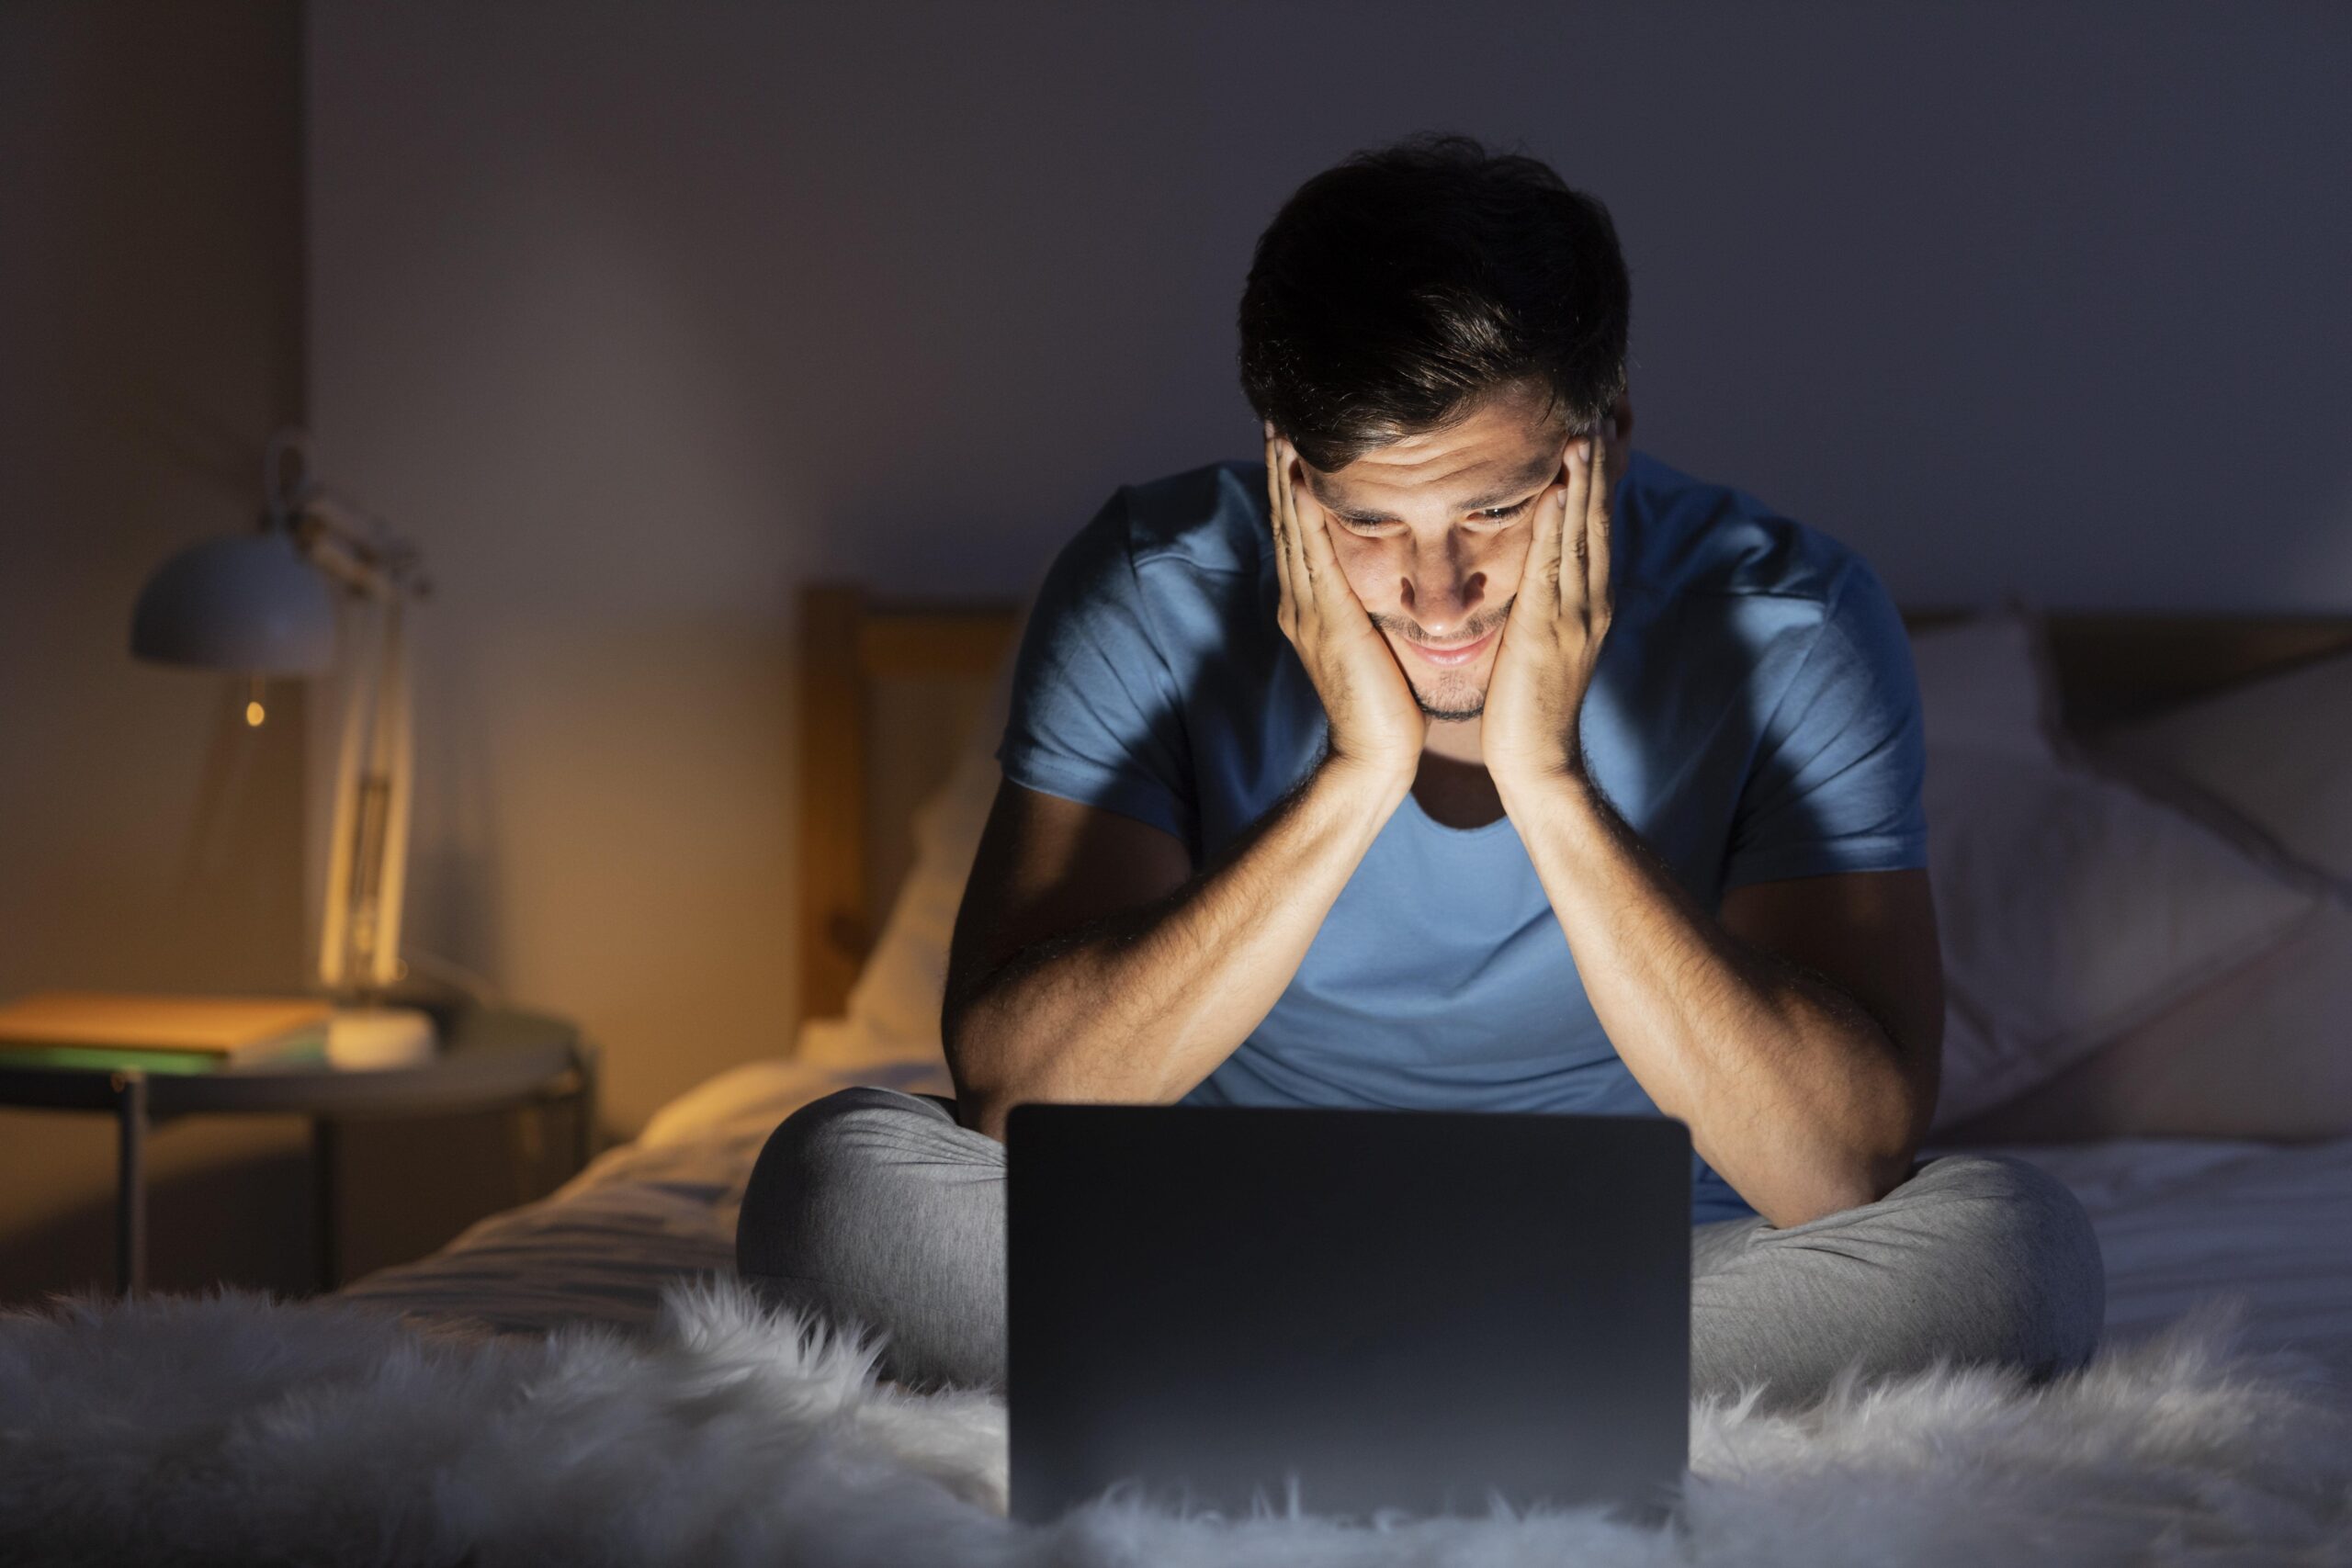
[{"x": 255, "y": 712}]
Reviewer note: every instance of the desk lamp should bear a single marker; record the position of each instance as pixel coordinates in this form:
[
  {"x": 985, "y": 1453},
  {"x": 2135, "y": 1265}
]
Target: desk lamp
[{"x": 262, "y": 605}]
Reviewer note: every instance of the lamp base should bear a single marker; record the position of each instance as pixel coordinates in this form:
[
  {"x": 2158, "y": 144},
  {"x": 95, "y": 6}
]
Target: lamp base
[{"x": 361, "y": 1038}]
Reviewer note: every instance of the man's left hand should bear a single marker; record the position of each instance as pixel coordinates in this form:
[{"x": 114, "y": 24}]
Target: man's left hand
[{"x": 1557, "y": 621}]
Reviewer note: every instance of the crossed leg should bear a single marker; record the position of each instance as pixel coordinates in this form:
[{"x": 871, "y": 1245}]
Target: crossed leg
[{"x": 877, "y": 1207}]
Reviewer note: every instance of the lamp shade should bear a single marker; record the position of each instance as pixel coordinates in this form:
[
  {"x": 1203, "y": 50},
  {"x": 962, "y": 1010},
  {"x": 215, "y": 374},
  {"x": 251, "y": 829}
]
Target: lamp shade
[{"x": 248, "y": 602}]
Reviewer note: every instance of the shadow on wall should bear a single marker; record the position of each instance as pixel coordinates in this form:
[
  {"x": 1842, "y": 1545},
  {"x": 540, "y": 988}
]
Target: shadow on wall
[
  {"x": 454, "y": 910},
  {"x": 240, "y": 860}
]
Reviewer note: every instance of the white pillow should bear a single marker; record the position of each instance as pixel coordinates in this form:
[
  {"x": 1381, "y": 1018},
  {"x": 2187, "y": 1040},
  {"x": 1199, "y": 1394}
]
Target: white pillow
[
  {"x": 893, "y": 1012},
  {"x": 2263, "y": 1052},
  {"x": 2266, "y": 1050},
  {"x": 2277, "y": 751},
  {"x": 2071, "y": 908},
  {"x": 1982, "y": 685},
  {"x": 892, "y": 1016}
]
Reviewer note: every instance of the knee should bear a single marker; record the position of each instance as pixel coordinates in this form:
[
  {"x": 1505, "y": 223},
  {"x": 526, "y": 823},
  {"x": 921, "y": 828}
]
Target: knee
[
  {"x": 2041, "y": 1285},
  {"x": 818, "y": 1168}
]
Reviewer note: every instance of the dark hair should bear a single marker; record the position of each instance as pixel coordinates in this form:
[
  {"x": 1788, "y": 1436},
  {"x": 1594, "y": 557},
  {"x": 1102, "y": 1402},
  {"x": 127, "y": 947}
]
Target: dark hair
[{"x": 1394, "y": 290}]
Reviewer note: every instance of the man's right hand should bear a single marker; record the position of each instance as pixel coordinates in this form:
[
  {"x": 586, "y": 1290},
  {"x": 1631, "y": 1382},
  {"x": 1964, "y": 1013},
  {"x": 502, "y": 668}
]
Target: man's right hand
[
  {"x": 1376, "y": 723},
  {"x": 1092, "y": 962}
]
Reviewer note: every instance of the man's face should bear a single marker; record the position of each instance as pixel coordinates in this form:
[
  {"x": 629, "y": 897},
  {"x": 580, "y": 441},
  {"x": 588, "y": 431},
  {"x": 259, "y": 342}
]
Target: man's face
[{"x": 1431, "y": 531}]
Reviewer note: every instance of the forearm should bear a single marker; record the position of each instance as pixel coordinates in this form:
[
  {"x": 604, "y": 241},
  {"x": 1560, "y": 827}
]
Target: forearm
[
  {"x": 1793, "y": 1092},
  {"x": 1141, "y": 1007}
]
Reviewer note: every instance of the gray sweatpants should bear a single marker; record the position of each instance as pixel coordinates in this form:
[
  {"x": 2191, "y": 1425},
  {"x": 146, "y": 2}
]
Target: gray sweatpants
[{"x": 876, "y": 1207}]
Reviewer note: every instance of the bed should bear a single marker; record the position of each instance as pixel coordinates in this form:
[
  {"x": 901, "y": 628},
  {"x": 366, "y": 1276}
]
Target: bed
[
  {"x": 2143, "y": 859},
  {"x": 896, "y": 705}
]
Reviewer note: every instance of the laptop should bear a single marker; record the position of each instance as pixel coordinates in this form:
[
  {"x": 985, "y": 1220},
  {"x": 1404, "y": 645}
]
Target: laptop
[{"x": 1346, "y": 1313}]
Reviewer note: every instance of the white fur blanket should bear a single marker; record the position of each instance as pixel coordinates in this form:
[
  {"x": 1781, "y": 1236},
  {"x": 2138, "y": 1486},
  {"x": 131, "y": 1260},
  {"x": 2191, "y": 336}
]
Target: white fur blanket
[{"x": 235, "y": 1428}]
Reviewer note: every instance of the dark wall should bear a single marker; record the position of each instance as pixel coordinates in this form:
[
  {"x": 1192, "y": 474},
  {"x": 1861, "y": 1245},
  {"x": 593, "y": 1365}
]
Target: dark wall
[{"x": 151, "y": 321}]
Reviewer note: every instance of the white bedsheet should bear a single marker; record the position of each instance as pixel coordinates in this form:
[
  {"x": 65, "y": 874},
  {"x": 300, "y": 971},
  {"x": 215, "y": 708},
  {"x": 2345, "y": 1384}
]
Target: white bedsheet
[
  {"x": 2181, "y": 1221},
  {"x": 2184, "y": 1222},
  {"x": 601, "y": 1247}
]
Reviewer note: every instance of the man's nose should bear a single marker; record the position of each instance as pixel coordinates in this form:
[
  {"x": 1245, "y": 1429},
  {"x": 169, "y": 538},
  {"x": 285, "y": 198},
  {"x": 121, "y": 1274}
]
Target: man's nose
[{"x": 1442, "y": 594}]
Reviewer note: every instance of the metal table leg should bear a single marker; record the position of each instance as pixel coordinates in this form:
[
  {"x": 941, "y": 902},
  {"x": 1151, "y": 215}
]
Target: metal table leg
[
  {"x": 527, "y": 1140},
  {"x": 325, "y": 1195},
  {"x": 131, "y": 1182},
  {"x": 585, "y": 1064}
]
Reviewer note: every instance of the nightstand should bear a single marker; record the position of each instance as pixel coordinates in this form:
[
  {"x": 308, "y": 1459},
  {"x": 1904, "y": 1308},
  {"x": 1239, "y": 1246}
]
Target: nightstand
[{"x": 490, "y": 1059}]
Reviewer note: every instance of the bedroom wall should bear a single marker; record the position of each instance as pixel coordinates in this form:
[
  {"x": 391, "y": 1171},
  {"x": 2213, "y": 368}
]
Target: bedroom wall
[
  {"x": 640, "y": 317},
  {"x": 150, "y": 252}
]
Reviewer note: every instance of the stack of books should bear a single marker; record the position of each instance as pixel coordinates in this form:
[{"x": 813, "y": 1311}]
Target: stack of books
[{"x": 95, "y": 1031}]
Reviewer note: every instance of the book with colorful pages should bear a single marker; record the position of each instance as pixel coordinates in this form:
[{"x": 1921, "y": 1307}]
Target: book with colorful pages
[{"x": 106, "y": 1032}]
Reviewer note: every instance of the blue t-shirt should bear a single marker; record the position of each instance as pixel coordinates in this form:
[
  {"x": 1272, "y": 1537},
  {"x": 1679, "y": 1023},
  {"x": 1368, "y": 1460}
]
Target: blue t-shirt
[{"x": 1753, "y": 716}]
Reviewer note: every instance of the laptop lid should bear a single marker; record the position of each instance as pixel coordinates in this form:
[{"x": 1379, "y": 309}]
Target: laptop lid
[{"x": 1355, "y": 1310}]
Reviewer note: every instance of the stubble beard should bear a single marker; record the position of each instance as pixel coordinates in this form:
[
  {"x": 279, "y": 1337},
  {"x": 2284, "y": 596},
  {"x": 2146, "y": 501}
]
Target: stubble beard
[
  {"x": 1450, "y": 698},
  {"x": 1454, "y": 700}
]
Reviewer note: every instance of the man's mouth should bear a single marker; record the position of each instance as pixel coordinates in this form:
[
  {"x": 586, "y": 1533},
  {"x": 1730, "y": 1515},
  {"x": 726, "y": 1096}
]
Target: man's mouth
[{"x": 1447, "y": 657}]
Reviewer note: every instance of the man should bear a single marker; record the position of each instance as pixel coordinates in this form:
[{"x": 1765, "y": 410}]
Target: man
[{"x": 1460, "y": 757}]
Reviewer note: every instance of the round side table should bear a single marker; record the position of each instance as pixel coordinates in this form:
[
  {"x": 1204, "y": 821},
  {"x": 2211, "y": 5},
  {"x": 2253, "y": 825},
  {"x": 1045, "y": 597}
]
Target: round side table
[{"x": 488, "y": 1059}]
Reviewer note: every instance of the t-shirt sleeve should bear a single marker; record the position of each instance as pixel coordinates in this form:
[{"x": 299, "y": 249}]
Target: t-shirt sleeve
[
  {"x": 1835, "y": 782},
  {"x": 1095, "y": 716}
]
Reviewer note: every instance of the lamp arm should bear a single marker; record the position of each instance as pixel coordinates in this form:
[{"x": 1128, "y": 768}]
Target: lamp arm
[
  {"x": 361, "y": 684},
  {"x": 345, "y": 542},
  {"x": 359, "y": 551}
]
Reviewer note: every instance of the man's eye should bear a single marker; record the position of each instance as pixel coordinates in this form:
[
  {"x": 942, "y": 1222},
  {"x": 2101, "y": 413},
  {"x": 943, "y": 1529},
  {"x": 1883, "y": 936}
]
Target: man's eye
[{"x": 1491, "y": 514}]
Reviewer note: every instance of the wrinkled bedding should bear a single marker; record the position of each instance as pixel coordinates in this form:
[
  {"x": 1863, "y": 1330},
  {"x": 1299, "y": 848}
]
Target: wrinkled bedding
[
  {"x": 601, "y": 1247},
  {"x": 2181, "y": 1223}
]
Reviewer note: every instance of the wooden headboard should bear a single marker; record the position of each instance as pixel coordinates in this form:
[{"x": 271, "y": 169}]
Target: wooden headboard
[
  {"x": 2111, "y": 667},
  {"x": 853, "y": 649}
]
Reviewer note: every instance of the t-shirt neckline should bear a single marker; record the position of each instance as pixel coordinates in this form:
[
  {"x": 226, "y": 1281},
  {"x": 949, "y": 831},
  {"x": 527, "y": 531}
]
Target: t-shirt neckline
[{"x": 1484, "y": 830}]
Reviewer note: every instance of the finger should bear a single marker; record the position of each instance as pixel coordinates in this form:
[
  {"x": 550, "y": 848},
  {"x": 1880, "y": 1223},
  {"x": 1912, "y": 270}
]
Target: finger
[
  {"x": 1579, "y": 503},
  {"x": 1274, "y": 492},
  {"x": 1597, "y": 526},
  {"x": 1315, "y": 538},
  {"x": 1294, "y": 551},
  {"x": 1299, "y": 530},
  {"x": 1294, "y": 527},
  {"x": 1276, "y": 524},
  {"x": 1540, "y": 579}
]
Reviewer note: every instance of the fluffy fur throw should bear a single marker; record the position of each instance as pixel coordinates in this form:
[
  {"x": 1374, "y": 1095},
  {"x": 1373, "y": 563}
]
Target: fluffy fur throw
[{"x": 231, "y": 1428}]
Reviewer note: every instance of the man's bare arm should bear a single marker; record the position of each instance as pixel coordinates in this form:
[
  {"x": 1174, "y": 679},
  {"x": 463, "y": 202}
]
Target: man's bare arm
[
  {"x": 1806, "y": 1100},
  {"x": 1798, "y": 1034},
  {"x": 1135, "y": 1003},
  {"x": 1086, "y": 966}
]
